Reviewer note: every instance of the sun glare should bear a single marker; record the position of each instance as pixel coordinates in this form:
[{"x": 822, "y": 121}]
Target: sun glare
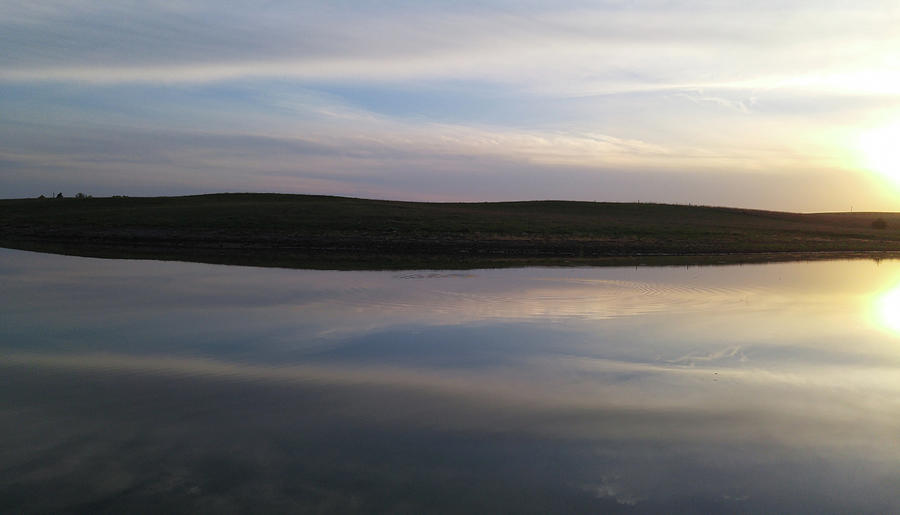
[
  {"x": 888, "y": 309},
  {"x": 881, "y": 151}
]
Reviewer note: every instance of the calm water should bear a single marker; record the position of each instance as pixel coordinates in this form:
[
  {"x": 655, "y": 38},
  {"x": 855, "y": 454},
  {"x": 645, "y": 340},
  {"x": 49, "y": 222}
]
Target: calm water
[{"x": 150, "y": 386}]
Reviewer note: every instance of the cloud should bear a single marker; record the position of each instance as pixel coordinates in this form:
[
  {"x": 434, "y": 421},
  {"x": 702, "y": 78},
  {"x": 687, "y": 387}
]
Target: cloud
[
  {"x": 389, "y": 159},
  {"x": 392, "y": 99},
  {"x": 570, "y": 49}
]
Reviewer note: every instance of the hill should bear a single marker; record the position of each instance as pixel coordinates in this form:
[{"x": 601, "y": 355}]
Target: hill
[{"x": 309, "y": 230}]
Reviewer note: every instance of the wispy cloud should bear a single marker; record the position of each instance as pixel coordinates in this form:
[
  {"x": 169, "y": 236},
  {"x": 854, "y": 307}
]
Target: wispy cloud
[
  {"x": 604, "y": 48},
  {"x": 612, "y": 87}
]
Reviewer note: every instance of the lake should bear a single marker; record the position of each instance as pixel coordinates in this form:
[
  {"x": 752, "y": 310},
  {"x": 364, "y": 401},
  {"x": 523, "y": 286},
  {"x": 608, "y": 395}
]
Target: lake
[{"x": 153, "y": 386}]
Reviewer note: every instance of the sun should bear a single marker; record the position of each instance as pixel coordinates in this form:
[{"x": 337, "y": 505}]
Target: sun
[{"x": 881, "y": 151}]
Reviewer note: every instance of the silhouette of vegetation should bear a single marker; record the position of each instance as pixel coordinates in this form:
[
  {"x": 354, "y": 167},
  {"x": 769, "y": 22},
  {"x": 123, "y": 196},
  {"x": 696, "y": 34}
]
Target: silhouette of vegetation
[
  {"x": 879, "y": 223},
  {"x": 298, "y": 230}
]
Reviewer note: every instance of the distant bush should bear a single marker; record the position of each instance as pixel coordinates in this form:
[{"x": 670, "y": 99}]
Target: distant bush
[
  {"x": 879, "y": 223},
  {"x": 80, "y": 195}
]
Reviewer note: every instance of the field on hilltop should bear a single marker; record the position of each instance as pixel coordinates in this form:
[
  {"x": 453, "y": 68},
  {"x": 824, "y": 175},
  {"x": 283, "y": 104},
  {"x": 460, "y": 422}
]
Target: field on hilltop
[{"x": 291, "y": 229}]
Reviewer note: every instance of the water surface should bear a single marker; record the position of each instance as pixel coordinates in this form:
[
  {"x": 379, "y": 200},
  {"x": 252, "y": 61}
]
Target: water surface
[{"x": 160, "y": 386}]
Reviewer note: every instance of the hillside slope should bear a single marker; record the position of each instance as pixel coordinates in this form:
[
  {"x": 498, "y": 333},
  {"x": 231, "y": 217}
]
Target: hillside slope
[{"x": 291, "y": 225}]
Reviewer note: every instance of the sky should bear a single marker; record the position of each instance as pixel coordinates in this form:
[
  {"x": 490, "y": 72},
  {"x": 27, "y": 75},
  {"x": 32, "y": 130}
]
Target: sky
[{"x": 788, "y": 105}]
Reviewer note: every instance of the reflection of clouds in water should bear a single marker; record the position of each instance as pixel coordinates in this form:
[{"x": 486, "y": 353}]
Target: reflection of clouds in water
[
  {"x": 240, "y": 438},
  {"x": 627, "y": 390},
  {"x": 295, "y": 307},
  {"x": 729, "y": 353},
  {"x": 526, "y": 299},
  {"x": 611, "y": 487},
  {"x": 574, "y": 397}
]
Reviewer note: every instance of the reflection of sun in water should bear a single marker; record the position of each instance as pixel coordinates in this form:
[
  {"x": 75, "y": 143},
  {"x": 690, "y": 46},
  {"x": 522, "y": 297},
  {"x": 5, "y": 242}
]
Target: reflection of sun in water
[
  {"x": 881, "y": 151},
  {"x": 888, "y": 309}
]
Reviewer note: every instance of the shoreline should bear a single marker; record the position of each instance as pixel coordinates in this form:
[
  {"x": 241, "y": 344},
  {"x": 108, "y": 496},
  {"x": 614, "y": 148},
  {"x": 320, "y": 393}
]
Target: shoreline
[{"x": 298, "y": 259}]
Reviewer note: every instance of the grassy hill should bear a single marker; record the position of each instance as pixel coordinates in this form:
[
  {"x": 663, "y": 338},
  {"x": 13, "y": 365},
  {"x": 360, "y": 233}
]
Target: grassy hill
[{"x": 299, "y": 230}]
